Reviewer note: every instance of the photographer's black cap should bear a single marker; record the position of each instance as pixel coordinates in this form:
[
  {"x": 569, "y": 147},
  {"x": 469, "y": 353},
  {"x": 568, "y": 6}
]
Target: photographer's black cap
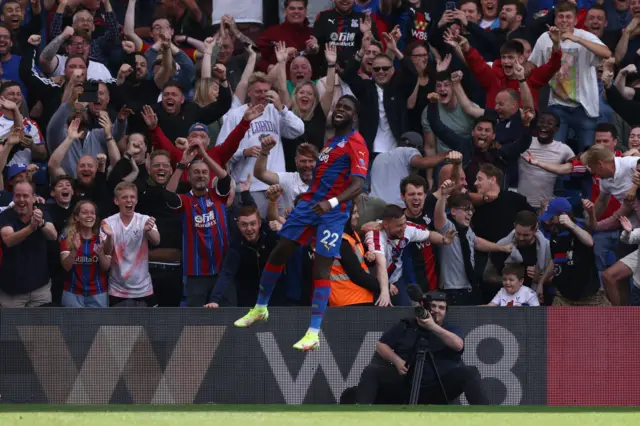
[{"x": 437, "y": 296}]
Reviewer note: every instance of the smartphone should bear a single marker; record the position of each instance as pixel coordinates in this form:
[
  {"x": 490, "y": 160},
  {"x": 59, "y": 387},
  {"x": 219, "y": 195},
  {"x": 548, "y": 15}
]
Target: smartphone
[
  {"x": 450, "y": 5},
  {"x": 90, "y": 92}
]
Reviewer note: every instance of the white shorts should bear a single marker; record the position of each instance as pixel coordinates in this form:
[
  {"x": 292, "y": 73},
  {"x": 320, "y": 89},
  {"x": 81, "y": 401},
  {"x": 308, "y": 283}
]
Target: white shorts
[{"x": 631, "y": 261}]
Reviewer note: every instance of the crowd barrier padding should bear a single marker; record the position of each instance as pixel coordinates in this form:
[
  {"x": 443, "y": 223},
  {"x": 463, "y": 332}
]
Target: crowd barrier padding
[{"x": 530, "y": 356}]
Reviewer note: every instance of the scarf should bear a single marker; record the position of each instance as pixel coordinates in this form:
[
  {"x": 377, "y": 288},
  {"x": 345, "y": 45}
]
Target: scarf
[{"x": 466, "y": 249}]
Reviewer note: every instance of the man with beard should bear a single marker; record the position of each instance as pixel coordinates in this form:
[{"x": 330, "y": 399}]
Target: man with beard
[
  {"x": 25, "y": 230},
  {"x": 164, "y": 259},
  {"x": 457, "y": 260},
  {"x": 66, "y": 152},
  {"x": 629, "y": 43},
  {"x": 76, "y": 44},
  {"x": 572, "y": 270},
  {"x": 51, "y": 93},
  {"x": 134, "y": 89},
  {"x": 531, "y": 250},
  {"x": 292, "y": 184},
  {"x": 322, "y": 211},
  {"x": 276, "y": 121},
  {"x": 204, "y": 220},
  {"x": 535, "y": 183},
  {"x": 176, "y": 115},
  {"x": 480, "y": 148},
  {"x": 59, "y": 210},
  {"x": 90, "y": 183},
  {"x": 83, "y": 22}
]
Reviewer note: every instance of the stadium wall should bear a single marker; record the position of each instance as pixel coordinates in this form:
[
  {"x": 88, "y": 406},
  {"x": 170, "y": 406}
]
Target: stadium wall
[{"x": 531, "y": 356}]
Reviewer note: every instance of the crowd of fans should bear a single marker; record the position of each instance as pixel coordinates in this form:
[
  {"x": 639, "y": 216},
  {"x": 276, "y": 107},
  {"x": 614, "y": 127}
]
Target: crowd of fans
[{"x": 151, "y": 150}]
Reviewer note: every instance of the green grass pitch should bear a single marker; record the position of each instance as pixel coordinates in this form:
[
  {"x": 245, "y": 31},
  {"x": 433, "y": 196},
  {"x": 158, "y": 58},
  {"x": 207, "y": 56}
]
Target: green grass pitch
[{"x": 311, "y": 415}]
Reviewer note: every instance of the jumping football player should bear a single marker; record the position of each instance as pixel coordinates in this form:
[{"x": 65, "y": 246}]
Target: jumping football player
[{"x": 322, "y": 212}]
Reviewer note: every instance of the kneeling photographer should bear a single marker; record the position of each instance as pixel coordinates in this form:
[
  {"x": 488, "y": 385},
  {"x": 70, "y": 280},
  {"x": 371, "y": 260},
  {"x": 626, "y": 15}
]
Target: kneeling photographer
[{"x": 424, "y": 342}]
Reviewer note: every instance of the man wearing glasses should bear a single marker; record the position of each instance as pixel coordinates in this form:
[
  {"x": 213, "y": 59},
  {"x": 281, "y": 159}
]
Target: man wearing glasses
[{"x": 457, "y": 260}]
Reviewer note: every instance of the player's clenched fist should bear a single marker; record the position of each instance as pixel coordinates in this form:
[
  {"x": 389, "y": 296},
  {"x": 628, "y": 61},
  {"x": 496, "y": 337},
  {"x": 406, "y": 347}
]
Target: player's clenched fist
[{"x": 322, "y": 207}]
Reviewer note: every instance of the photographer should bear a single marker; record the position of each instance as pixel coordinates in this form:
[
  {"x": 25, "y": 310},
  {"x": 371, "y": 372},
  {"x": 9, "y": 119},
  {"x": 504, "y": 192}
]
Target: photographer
[{"x": 388, "y": 378}]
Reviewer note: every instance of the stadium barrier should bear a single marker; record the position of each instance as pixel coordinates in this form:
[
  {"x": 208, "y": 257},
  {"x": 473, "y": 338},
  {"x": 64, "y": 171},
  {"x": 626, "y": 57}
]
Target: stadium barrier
[{"x": 532, "y": 356}]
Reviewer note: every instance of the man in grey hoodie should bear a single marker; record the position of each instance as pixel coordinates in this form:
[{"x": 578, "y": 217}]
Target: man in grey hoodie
[
  {"x": 91, "y": 141},
  {"x": 531, "y": 249}
]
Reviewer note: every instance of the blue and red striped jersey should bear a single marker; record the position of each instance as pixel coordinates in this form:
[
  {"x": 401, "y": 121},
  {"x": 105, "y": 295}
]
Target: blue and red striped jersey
[
  {"x": 341, "y": 158},
  {"x": 85, "y": 278},
  {"x": 205, "y": 237}
]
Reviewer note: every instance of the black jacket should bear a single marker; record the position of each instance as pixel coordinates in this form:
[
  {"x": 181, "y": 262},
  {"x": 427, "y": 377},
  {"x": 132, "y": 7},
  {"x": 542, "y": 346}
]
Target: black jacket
[
  {"x": 396, "y": 94},
  {"x": 243, "y": 266}
]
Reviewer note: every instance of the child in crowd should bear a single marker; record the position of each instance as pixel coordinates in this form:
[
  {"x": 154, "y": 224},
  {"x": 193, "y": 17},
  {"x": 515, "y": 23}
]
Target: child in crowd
[
  {"x": 513, "y": 293},
  {"x": 82, "y": 256}
]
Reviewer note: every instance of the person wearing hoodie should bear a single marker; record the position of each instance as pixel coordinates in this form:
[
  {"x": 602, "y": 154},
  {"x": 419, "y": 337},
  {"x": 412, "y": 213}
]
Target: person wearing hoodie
[
  {"x": 276, "y": 120},
  {"x": 531, "y": 249}
]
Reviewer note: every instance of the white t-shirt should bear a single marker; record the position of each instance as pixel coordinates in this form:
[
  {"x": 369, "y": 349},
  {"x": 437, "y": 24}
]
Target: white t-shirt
[
  {"x": 384, "y": 141},
  {"x": 292, "y": 186},
  {"x": 621, "y": 182},
  {"x": 95, "y": 70},
  {"x": 379, "y": 242},
  {"x": 243, "y": 11},
  {"x": 30, "y": 128},
  {"x": 533, "y": 182},
  {"x": 523, "y": 297},
  {"x": 576, "y": 83},
  {"x": 388, "y": 170},
  {"x": 129, "y": 274},
  {"x": 486, "y": 24}
]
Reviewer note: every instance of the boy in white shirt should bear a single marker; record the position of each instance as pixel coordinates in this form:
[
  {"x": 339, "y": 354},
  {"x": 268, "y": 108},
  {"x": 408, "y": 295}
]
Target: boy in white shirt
[
  {"x": 513, "y": 293},
  {"x": 126, "y": 237}
]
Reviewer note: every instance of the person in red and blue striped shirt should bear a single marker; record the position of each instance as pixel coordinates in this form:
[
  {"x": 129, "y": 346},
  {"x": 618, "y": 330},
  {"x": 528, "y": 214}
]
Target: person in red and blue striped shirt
[
  {"x": 82, "y": 256},
  {"x": 205, "y": 239},
  {"x": 321, "y": 215}
]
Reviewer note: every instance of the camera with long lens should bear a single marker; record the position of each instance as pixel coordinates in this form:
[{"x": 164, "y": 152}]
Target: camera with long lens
[{"x": 424, "y": 301}]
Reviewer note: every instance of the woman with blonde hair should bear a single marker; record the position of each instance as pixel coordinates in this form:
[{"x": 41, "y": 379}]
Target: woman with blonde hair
[
  {"x": 82, "y": 256},
  {"x": 307, "y": 104}
]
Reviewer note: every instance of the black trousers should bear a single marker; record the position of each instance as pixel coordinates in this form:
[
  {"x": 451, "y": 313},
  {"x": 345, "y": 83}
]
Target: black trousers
[
  {"x": 381, "y": 384},
  {"x": 167, "y": 284}
]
